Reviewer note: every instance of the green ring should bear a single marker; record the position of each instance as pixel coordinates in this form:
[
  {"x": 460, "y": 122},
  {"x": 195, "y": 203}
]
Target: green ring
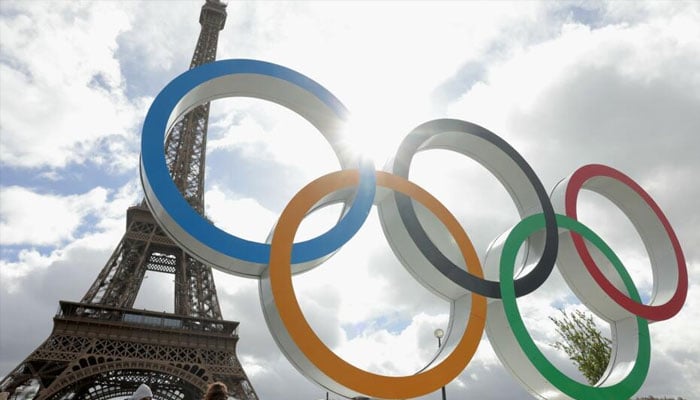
[{"x": 624, "y": 389}]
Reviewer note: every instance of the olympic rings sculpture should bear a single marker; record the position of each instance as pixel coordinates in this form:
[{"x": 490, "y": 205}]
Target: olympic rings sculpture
[{"x": 549, "y": 229}]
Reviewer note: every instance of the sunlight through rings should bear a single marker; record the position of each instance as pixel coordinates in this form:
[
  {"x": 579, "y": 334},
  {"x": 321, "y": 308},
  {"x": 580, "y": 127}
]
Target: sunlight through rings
[
  {"x": 425, "y": 245},
  {"x": 249, "y": 78}
]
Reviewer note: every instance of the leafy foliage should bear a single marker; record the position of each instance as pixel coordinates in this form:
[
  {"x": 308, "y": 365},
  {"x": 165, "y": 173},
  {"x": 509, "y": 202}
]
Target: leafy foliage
[{"x": 583, "y": 342}]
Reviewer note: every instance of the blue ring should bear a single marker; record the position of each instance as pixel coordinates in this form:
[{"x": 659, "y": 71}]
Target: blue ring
[{"x": 154, "y": 167}]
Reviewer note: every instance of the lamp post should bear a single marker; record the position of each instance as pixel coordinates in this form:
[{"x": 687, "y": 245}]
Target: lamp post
[{"x": 439, "y": 333}]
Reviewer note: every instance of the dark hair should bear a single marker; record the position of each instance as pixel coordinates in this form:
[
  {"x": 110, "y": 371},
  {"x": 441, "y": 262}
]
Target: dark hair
[{"x": 216, "y": 391}]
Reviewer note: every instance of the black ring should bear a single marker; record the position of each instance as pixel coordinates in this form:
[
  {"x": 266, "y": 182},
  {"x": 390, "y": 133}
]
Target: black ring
[{"x": 402, "y": 162}]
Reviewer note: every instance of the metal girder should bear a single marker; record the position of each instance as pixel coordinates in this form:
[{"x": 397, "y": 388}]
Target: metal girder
[{"x": 101, "y": 347}]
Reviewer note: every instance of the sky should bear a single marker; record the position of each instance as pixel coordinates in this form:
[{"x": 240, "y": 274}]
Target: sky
[{"x": 565, "y": 83}]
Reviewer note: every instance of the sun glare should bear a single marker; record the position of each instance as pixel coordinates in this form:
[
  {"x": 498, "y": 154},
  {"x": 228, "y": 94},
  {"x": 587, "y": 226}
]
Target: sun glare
[{"x": 371, "y": 138}]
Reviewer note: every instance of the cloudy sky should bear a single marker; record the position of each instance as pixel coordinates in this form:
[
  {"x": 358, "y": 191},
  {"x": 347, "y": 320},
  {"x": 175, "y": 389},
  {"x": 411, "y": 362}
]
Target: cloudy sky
[{"x": 565, "y": 83}]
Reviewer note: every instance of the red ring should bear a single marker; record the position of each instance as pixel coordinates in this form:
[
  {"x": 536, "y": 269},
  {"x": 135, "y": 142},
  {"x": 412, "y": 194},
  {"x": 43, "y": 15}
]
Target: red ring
[{"x": 650, "y": 312}]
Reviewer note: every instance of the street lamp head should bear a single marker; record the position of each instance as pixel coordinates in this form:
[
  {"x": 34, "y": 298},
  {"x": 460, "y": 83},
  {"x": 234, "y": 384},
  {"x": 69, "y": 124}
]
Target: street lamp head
[{"x": 439, "y": 333}]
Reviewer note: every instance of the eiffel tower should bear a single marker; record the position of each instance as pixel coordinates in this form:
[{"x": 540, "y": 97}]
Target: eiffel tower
[{"x": 103, "y": 348}]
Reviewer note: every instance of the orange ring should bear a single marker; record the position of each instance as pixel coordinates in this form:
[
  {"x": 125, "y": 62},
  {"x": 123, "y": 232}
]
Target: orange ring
[{"x": 308, "y": 343}]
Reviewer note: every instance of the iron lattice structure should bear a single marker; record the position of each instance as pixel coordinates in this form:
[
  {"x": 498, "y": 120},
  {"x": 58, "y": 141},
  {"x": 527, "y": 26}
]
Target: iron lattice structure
[{"x": 102, "y": 348}]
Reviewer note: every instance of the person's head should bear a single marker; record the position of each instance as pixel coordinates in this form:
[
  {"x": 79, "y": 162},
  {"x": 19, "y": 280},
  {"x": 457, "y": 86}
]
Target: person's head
[
  {"x": 216, "y": 391},
  {"x": 142, "y": 393}
]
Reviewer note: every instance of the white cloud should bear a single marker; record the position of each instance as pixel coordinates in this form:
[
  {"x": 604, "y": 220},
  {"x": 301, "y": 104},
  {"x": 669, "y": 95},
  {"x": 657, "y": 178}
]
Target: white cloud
[
  {"x": 577, "y": 84},
  {"x": 51, "y": 73},
  {"x": 395, "y": 353},
  {"x": 28, "y": 262},
  {"x": 50, "y": 227},
  {"x": 243, "y": 217},
  {"x": 36, "y": 219}
]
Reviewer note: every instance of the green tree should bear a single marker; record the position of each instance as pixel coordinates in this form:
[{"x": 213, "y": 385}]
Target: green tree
[{"x": 583, "y": 342}]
